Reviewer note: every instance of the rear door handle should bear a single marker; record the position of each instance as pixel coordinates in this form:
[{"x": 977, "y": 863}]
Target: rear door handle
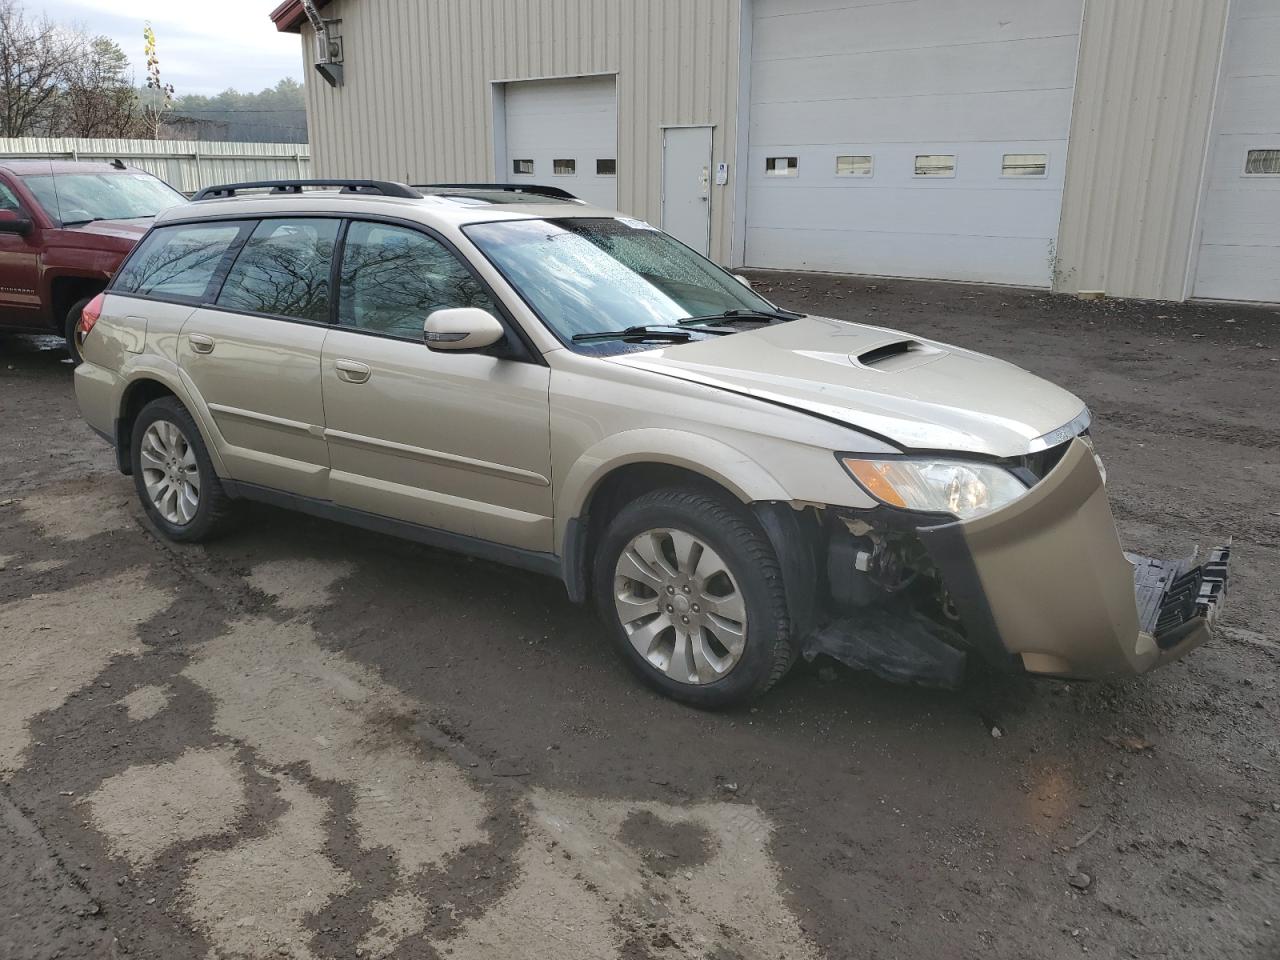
[
  {"x": 200, "y": 343},
  {"x": 352, "y": 371}
]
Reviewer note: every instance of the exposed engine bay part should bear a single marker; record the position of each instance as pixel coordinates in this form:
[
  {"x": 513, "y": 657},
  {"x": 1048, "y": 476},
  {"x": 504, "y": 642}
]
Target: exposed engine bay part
[{"x": 898, "y": 645}]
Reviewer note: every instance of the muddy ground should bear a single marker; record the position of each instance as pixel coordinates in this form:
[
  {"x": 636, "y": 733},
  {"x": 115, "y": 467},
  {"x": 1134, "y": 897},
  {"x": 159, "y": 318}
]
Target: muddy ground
[{"x": 310, "y": 741}]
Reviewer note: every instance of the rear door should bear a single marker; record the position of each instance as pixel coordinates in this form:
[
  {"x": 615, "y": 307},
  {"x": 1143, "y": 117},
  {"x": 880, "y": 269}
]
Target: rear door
[
  {"x": 455, "y": 441},
  {"x": 254, "y": 354}
]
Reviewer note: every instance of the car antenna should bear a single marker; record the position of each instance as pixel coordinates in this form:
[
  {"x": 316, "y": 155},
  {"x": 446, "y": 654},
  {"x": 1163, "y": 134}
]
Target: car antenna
[
  {"x": 118, "y": 163},
  {"x": 57, "y": 200}
]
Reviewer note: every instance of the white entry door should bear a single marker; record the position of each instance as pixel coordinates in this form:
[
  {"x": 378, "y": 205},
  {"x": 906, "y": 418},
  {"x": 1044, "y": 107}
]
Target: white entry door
[
  {"x": 686, "y": 185},
  {"x": 564, "y": 133}
]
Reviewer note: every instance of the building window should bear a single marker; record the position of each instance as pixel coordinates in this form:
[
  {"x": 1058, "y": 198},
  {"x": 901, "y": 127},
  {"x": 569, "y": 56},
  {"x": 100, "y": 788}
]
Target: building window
[
  {"x": 606, "y": 168},
  {"x": 522, "y": 167},
  {"x": 853, "y": 166},
  {"x": 564, "y": 168},
  {"x": 1262, "y": 163},
  {"x": 935, "y": 165},
  {"x": 1025, "y": 165},
  {"x": 781, "y": 166}
]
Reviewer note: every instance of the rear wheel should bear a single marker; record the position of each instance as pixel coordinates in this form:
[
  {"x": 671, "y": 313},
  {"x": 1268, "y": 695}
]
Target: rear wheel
[
  {"x": 692, "y": 592},
  {"x": 69, "y": 324},
  {"x": 173, "y": 474}
]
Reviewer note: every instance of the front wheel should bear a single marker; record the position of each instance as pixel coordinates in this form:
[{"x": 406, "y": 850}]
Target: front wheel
[
  {"x": 694, "y": 598},
  {"x": 173, "y": 473}
]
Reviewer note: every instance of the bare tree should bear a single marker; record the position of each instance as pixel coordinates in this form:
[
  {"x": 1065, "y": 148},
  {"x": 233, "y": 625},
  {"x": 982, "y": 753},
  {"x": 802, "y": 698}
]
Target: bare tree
[
  {"x": 34, "y": 58},
  {"x": 98, "y": 98}
]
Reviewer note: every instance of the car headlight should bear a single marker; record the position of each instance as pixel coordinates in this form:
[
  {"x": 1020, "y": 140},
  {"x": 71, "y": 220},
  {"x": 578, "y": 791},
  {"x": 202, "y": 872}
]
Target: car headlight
[{"x": 961, "y": 488}]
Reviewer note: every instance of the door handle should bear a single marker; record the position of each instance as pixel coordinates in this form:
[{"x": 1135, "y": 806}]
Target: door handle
[
  {"x": 352, "y": 371},
  {"x": 200, "y": 343}
]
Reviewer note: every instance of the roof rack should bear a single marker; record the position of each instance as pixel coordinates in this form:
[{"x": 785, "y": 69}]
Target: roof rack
[
  {"x": 384, "y": 188},
  {"x": 535, "y": 189}
]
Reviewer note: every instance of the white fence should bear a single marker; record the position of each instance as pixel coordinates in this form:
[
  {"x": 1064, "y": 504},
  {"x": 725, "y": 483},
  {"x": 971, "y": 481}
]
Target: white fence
[{"x": 186, "y": 164}]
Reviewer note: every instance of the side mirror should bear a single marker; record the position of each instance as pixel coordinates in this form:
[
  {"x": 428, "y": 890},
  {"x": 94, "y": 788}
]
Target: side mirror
[
  {"x": 11, "y": 221},
  {"x": 742, "y": 280},
  {"x": 462, "y": 328}
]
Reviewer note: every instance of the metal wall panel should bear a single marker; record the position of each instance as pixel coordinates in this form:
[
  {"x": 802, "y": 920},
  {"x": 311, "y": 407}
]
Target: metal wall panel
[
  {"x": 417, "y": 102},
  {"x": 187, "y": 165},
  {"x": 1143, "y": 101}
]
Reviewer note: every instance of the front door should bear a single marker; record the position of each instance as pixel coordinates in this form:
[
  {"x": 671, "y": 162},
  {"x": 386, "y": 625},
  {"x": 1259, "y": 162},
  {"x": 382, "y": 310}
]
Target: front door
[
  {"x": 455, "y": 441},
  {"x": 686, "y": 186},
  {"x": 19, "y": 269},
  {"x": 254, "y": 356}
]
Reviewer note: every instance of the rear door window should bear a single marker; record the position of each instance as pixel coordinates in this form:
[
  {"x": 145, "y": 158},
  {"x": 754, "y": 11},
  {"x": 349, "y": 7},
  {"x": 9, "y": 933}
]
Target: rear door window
[
  {"x": 178, "y": 262},
  {"x": 283, "y": 270},
  {"x": 394, "y": 277}
]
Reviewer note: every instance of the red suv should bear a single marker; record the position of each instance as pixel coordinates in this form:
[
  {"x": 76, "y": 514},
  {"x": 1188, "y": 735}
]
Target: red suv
[{"x": 64, "y": 228}]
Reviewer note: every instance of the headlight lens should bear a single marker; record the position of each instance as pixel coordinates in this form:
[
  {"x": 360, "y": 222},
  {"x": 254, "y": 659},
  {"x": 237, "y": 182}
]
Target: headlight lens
[{"x": 965, "y": 490}]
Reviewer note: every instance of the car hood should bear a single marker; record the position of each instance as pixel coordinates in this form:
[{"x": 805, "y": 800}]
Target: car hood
[
  {"x": 130, "y": 230},
  {"x": 915, "y": 393}
]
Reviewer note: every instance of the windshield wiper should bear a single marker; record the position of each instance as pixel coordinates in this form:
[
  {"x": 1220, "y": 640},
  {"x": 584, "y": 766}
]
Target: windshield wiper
[
  {"x": 642, "y": 332},
  {"x": 81, "y": 223},
  {"x": 741, "y": 316}
]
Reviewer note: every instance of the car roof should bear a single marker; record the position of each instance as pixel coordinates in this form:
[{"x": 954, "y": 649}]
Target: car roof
[
  {"x": 443, "y": 209},
  {"x": 21, "y": 167}
]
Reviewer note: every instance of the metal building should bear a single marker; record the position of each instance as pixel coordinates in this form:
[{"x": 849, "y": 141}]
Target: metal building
[{"x": 1124, "y": 146}]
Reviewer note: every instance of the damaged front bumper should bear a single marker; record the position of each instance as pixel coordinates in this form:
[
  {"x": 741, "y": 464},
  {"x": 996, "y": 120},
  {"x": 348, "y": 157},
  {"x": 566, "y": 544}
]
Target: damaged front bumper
[{"x": 1044, "y": 583}]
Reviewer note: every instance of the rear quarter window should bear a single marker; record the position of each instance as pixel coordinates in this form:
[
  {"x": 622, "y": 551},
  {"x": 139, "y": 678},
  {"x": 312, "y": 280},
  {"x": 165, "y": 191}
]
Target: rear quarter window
[{"x": 178, "y": 262}]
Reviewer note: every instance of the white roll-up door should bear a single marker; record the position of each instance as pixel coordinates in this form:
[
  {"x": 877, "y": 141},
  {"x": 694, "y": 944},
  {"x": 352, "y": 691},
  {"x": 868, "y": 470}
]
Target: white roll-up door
[
  {"x": 919, "y": 138},
  {"x": 564, "y": 133},
  {"x": 1239, "y": 257}
]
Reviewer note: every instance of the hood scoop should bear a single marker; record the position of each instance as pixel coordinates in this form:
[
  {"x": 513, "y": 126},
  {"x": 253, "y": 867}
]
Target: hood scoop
[{"x": 897, "y": 355}]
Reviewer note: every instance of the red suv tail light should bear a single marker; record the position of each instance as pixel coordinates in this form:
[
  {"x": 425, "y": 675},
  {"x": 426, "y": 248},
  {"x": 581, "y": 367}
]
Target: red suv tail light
[{"x": 89, "y": 316}]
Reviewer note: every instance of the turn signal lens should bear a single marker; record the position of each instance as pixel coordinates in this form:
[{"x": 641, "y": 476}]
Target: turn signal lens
[
  {"x": 960, "y": 488},
  {"x": 872, "y": 475},
  {"x": 89, "y": 316}
]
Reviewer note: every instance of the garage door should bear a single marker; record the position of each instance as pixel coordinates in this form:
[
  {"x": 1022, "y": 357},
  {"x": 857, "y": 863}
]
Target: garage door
[
  {"x": 564, "y": 133},
  {"x": 1240, "y": 223},
  {"x": 916, "y": 138}
]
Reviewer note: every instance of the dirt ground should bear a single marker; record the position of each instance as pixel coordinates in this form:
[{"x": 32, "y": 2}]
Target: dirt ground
[{"x": 310, "y": 741}]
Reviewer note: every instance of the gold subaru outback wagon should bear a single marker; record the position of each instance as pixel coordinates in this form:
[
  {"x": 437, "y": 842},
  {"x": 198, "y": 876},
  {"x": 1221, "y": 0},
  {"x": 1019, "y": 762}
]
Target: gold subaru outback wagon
[{"x": 513, "y": 374}]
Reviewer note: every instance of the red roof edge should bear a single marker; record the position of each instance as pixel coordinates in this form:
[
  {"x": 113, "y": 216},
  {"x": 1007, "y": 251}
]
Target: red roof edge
[{"x": 290, "y": 15}]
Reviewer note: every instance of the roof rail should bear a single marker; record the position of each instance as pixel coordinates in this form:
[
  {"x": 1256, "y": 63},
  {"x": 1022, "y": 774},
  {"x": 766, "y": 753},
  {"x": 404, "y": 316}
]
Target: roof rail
[
  {"x": 535, "y": 189},
  {"x": 385, "y": 188}
]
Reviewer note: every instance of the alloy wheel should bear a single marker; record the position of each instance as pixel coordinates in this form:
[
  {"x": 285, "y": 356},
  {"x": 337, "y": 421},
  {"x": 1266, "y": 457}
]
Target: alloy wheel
[
  {"x": 170, "y": 472},
  {"x": 680, "y": 606}
]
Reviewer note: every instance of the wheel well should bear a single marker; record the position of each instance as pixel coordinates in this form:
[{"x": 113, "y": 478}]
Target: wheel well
[
  {"x": 610, "y": 495},
  {"x": 67, "y": 290},
  {"x": 137, "y": 396}
]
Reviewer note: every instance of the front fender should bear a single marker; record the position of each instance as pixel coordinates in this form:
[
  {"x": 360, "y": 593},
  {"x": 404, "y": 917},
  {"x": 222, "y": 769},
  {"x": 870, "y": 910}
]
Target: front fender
[{"x": 711, "y": 458}]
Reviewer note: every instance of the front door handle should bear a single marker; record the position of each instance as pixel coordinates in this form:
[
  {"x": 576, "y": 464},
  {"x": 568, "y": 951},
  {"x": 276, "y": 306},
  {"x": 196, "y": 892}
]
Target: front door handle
[
  {"x": 352, "y": 371},
  {"x": 200, "y": 343}
]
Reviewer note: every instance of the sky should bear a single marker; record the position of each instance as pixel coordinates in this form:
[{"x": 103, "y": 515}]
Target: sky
[{"x": 203, "y": 47}]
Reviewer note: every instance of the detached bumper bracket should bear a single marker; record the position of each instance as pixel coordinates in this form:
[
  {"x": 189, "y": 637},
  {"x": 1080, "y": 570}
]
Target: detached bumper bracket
[{"x": 1176, "y": 597}]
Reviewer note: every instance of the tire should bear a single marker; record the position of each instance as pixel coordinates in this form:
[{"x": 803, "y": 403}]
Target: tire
[
  {"x": 178, "y": 464},
  {"x": 704, "y": 670},
  {"x": 69, "y": 329}
]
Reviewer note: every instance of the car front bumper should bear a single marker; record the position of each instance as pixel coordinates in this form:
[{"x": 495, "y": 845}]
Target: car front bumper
[{"x": 1044, "y": 583}]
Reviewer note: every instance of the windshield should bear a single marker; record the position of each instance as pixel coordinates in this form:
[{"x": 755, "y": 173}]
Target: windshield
[
  {"x": 73, "y": 198},
  {"x": 586, "y": 276}
]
